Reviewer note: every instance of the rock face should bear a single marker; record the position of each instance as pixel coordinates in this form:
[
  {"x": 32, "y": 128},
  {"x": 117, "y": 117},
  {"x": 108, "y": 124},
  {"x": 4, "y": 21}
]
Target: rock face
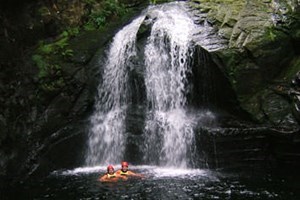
[
  {"x": 259, "y": 55},
  {"x": 260, "y": 149},
  {"x": 261, "y": 49}
]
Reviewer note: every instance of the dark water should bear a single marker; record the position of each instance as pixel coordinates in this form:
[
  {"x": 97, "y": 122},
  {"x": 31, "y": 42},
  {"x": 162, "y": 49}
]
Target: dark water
[{"x": 160, "y": 183}]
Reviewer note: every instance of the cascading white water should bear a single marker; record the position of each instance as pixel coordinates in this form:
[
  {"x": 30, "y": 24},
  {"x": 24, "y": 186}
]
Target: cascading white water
[
  {"x": 167, "y": 55},
  {"x": 107, "y": 138},
  {"x": 168, "y": 131}
]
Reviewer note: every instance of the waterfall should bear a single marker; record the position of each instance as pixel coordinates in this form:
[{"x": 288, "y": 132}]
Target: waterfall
[
  {"x": 168, "y": 132},
  {"x": 107, "y": 138}
]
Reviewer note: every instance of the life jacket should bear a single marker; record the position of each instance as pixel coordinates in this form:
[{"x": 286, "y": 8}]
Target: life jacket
[
  {"x": 124, "y": 173},
  {"x": 111, "y": 175}
]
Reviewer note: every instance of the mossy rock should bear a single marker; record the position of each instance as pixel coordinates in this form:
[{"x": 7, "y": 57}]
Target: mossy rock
[
  {"x": 289, "y": 73},
  {"x": 269, "y": 107}
]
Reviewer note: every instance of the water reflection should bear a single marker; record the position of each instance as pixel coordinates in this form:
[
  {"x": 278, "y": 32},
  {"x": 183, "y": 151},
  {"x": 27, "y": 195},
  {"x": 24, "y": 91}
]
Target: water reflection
[{"x": 161, "y": 183}]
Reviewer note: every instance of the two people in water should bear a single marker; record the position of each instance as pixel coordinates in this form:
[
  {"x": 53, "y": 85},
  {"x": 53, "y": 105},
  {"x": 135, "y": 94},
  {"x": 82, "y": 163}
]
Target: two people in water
[{"x": 123, "y": 173}]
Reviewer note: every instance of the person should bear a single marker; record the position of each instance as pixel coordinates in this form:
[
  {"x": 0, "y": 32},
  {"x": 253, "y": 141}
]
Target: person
[
  {"x": 111, "y": 175},
  {"x": 126, "y": 173}
]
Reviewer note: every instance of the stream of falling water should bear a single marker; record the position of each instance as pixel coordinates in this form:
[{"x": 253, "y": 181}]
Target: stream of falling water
[
  {"x": 107, "y": 138},
  {"x": 167, "y": 54},
  {"x": 169, "y": 137}
]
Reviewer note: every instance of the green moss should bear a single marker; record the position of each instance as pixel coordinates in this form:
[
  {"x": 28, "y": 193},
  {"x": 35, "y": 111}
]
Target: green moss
[
  {"x": 41, "y": 64},
  {"x": 43, "y": 11},
  {"x": 47, "y": 58},
  {"x": 46, "y": 48},
  {"x": 270, "y": 34},
  {"x": 50, "y": 56},
  {"x": 60, "y": 46},
  {"x": 49, "y": 75},
  {"x": 290, "y": 72},
  {"x": 109, "y": 9},
  {"x": 223, "y": 11}
]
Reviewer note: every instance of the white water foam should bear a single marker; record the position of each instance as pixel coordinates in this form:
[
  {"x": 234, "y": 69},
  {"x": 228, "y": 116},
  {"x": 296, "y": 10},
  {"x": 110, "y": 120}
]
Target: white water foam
[
  {"x": 154, "y": 172},
  {"x": 167, "y": 54},
  {"x": 107, "y": 138}
]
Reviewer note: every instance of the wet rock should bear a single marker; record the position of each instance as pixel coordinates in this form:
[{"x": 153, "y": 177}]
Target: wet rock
[
  {"x": 260, "y": 45},
  {"x": 249, "y": 148}
]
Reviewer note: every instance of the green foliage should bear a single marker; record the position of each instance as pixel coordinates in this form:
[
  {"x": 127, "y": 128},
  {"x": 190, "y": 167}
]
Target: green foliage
[
  {"x": 53, "y": 85},
  {"x": 109, "y": 9},
  {"x": 50, "y": 76},
  {"x": 270, "y": 34},
  {"x": 41, "y": 64},
  {"x": 71, "y": 32},
  {"x": 60, "y": 46},
  {"x": 67, "y": 53},
  {"x": 44, "y": 11},
  {"x": 46, "y": 48}
]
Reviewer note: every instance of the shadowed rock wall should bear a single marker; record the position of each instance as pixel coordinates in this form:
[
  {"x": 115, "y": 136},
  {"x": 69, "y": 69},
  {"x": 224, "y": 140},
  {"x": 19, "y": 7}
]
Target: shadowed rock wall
[{"x": 249, "y": 149}]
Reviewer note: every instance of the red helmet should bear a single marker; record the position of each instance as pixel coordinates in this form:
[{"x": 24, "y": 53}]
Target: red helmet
[
  {"x": 125, "y": 164},
  {"x": 110, "y": 167}
]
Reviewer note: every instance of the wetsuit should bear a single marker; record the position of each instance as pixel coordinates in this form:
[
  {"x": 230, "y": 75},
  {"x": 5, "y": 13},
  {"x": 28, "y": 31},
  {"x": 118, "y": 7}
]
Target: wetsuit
[
  {"x": 111, "y": 175},
  {"x": 124, "y": 173}
]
